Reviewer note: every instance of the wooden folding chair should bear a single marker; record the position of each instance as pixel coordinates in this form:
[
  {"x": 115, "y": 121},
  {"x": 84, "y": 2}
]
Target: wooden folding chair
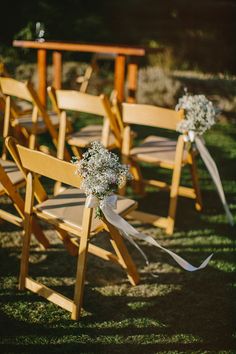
[
  {"x": 27, "y": 124},
  {"x": 162, "y": 152},
  {"x": 69, "y": 100},
  {"x": 68, "y": 213}
]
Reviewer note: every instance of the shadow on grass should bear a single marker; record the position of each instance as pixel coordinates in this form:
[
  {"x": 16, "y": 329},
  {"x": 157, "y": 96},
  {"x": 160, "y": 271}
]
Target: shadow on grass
[{"x": 195, "y": 316}]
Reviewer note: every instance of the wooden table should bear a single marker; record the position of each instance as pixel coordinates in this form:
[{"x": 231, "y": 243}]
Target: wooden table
[{"x": 121, "y": 54}]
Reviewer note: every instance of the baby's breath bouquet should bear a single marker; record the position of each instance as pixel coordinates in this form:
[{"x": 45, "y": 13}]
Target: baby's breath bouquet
[
  {"x": 101, "y": 172},
  {"x": 200, "y": 114}
]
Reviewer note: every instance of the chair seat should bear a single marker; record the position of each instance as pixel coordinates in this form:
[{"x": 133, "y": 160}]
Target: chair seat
[
  {"x": 156, "y": 149},
  {"x": 87, "y": 135},
  {"x": 12, "y": 171},
  {"x": 26, "y": 122},
  {"x": 68, "y": 207}
]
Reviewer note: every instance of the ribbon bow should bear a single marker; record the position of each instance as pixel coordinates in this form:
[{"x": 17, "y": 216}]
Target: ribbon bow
[{"x": 109, "y": 200}]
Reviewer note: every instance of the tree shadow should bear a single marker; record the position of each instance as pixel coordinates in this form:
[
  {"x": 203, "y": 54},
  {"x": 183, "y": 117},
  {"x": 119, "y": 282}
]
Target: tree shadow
[{"x": 195, "y": 316}]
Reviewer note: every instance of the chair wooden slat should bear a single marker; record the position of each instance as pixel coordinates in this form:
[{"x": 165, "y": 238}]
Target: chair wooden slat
[
  {"x": 80, "y": 102},
  {"x": 12, "y": 87},
  {"x": 151, "y": 116},
  {"x": 49, "y": 166}
]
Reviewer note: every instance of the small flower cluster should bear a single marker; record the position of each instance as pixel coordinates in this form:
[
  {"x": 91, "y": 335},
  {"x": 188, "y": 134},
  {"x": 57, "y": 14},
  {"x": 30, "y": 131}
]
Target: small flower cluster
[
  {"x": 101, "y": 171},
  {"x": 200, "y": 114}
]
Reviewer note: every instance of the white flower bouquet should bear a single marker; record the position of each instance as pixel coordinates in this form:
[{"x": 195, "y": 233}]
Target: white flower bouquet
[
  {"x": 101, "y": 172},
  {"x": 200, "y": 114}
]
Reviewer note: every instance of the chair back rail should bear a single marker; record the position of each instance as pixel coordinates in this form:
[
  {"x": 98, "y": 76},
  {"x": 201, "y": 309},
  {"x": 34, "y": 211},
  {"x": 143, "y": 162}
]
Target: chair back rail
[
  {"x": 12, "y": 87},
  {"x": 149, "y": 115},
  {"x": 79, "y": 101},
  {"x": 48, "y": 166}
]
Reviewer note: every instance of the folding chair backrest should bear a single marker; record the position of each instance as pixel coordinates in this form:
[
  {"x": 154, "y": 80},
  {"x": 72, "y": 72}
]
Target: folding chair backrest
[
  {"x": 83, "y": 102},
  {"x": 14, "y": 88},
  {"x": 79, "y": 101},
  {"x": 48, "y": 166},
  {"x": 149, "y": 115}
]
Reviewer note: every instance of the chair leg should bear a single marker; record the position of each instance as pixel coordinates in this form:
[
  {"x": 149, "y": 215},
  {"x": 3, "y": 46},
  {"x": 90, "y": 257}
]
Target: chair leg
[
  {"x": 81, "y": 264},
  {"x": 173, "y": 201},
  {"x": 24, "y": 265},
  {"x": 195, "y": 181},
  {"x": 138, "y": 185},
  {"x": 29, "y": 198},
  {"x": 175, "y": 186},
  {"x": 80, "y": 277},
  {"x": 123, "y": 254}
]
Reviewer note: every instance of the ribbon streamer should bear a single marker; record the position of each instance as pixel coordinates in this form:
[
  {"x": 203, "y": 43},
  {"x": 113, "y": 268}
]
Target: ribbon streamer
[
  {"x": 107, "y": 206},
  {"x": 212, "y": 169}
]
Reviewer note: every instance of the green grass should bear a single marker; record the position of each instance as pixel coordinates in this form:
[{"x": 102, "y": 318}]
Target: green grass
[{"x": 177, "y": 312}]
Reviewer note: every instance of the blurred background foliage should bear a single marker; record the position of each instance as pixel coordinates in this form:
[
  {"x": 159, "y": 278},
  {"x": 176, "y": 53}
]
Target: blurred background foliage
[{"x": 196, "y": 35}]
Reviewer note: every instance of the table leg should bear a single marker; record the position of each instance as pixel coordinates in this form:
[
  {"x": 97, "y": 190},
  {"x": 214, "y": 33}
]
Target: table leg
[
  {"x": 57, "y": 69},
  {"x": 132, "y": 82},
  {"x": 42, "y": 75},
  {"x": 120, "y": 77}
]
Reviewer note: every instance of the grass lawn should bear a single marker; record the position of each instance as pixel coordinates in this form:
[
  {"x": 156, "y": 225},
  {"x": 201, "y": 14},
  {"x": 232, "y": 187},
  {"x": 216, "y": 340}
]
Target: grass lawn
[{"x": 177, "y": 312}]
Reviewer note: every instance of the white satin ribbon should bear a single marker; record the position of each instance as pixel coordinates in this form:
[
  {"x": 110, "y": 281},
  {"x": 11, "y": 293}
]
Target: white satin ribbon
[
  {"x": 107, "y": 206},
  {"x": 212, "y": 169}
]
